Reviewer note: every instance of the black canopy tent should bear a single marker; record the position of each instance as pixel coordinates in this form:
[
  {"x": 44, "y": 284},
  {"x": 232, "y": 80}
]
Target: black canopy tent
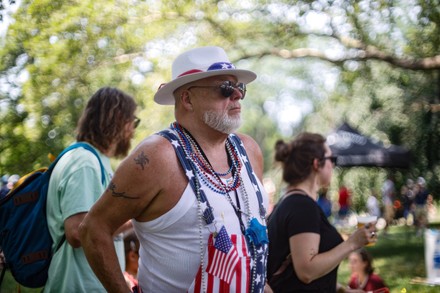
[{"x": 354, "y": 149}]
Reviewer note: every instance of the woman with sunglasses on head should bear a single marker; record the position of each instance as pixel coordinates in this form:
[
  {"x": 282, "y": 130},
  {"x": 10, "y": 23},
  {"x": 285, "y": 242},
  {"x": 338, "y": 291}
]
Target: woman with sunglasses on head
[{"x": 304, "y": 248}]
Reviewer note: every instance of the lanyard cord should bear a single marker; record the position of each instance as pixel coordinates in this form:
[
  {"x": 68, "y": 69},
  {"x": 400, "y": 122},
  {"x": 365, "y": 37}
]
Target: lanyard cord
[{"x": 238, "y": 213}]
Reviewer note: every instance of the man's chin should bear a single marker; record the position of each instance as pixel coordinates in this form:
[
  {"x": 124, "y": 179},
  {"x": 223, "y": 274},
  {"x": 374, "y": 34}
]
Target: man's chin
[{"x": 231, "y": 129}]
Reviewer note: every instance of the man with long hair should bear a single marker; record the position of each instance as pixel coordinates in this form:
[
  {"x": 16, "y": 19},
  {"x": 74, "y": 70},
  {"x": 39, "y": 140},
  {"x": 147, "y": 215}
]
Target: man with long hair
[{"x": 107, "y": 125}]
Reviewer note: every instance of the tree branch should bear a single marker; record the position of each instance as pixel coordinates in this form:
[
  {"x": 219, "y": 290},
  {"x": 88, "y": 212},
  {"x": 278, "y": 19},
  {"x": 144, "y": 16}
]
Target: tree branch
[{"x": 364, "y": 53}]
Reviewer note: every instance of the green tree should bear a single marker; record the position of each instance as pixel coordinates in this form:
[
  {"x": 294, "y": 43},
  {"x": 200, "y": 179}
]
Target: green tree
[{"x": 372, "y": 63}]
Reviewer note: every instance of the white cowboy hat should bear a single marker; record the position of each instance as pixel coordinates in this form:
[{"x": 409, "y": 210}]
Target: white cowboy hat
[{"x": 196, "y": 64}]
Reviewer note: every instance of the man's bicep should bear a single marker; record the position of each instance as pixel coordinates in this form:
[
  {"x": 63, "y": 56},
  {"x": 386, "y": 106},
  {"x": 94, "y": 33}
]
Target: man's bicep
[
  {"x": 132, "y": 188},
  {"x": 123, "y": 200}
]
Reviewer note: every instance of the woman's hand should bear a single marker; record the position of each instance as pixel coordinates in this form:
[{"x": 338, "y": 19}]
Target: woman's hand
[{"x": 363, "y": 236}]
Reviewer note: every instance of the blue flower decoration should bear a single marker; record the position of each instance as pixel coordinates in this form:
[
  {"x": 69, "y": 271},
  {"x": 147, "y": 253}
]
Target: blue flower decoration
[{"x": 257, "y": 233}]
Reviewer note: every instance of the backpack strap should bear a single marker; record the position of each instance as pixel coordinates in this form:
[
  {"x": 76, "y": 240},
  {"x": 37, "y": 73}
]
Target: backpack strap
[
  {"x": 80, "y": 145},
  {"x": 48, "y": 170}
]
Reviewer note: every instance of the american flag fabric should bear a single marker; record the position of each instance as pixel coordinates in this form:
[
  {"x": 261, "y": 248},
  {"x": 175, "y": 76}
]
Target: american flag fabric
[
  {"x": 240, "y": 282},
  {"x": 222, "y": 257},
  {"x": 260, "y": 253}
]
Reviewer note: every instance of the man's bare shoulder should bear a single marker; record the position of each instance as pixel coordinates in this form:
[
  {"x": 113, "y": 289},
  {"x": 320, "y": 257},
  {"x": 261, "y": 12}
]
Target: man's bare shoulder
[
  {"x": 147, "y": 178},
  {"x": 148, "y": 165},
  {"x": 153, "y": 149},
  {"x": 249, "y": 143}
]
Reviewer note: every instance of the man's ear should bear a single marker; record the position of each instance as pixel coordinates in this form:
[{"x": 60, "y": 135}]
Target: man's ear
[
  {"x": 185, "y": 99},
  {"x": 316, "y": 164}
]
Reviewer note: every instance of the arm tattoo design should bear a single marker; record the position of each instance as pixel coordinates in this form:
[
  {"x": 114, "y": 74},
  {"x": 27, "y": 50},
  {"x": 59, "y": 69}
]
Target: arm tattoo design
[
  {"x": 112, "y": 188},
  {"x": 142, "y": 159},
  {"x": 313, "y": 252}
]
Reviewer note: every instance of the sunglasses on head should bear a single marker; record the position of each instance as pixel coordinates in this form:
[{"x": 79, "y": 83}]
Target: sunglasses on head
[{"x": 226, "y": 88}]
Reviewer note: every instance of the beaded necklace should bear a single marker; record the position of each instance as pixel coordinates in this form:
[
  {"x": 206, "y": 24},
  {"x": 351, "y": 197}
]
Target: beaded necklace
[
  {"x": 211, "y": 178},
  {"x": 203, "y": 167}
]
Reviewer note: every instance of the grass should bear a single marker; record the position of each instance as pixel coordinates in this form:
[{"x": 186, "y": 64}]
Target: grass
[
  {"x": 10, "y": 286},
  {"x": 399, "y": 258}
]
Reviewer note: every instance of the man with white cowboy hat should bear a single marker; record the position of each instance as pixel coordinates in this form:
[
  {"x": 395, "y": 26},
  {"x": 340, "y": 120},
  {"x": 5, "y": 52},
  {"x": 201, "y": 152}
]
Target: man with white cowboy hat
[{"x": 193, "y": 190}]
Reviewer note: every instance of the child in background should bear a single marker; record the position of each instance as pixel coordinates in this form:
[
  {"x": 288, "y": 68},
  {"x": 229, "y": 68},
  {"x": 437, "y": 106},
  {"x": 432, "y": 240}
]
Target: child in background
[
  {"x": 362, "y": 277},
  {"x": 131, "y": 244}
]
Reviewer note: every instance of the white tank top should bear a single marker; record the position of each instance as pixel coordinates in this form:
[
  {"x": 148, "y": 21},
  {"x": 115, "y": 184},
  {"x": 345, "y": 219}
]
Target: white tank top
[{"x": 170, "y": 250}]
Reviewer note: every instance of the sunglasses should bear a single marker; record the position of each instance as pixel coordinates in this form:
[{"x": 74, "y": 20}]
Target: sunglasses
[
  {"x": 136, "y": 121},
  {"x": 332, "y": 159},
  {"x": 226, "y": 88}
]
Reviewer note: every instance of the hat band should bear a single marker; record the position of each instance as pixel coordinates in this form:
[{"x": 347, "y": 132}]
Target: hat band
[
  {"x": 215, "y": 66},
  {"x": 192, "y": 71}
]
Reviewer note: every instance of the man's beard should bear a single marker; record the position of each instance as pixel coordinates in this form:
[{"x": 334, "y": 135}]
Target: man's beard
[
  {"x": 222, "y": 121},
  {"x": 123, "y": 147}
]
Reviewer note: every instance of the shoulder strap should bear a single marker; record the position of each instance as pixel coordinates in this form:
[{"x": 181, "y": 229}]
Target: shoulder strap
[
  {"x": 187, "y": 166},
  {"x": 294, "y": 191},
  {"x": 286, "y": 262},
  {"x": 80, "y": 145}
]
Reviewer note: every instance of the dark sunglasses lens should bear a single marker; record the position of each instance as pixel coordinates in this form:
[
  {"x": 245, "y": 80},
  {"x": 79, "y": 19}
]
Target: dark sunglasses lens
[
  {"x": 228, "y": 88},
  {"x": 333, "y": 159},
  {"x": 137, "y": 121},
  {"x": 242, "y": 88}
]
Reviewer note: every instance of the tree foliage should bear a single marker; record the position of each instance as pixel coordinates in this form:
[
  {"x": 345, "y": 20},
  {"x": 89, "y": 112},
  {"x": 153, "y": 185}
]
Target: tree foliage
[{"x": 374, "y": 64}]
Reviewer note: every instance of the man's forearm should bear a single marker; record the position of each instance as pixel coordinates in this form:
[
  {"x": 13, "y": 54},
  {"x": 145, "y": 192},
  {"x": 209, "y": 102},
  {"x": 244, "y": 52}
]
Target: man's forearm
[{"x": 101, "y": 255}]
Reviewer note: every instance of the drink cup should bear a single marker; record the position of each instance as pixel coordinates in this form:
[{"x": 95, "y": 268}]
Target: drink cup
[{"x": 363, "y": 221}]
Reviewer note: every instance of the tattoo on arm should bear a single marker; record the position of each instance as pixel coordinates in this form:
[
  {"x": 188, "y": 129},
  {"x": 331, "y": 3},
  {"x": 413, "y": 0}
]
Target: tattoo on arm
[
  {"x": 142, "y": 159},
  {"x": 112, "y": 188}
]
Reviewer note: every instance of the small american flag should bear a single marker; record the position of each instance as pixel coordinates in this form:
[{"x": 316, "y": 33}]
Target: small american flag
[{"x": 223, "y": 257}]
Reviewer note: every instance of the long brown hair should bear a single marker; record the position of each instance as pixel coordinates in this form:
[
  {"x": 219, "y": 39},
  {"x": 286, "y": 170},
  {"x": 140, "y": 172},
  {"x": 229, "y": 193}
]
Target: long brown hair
[
  {"x": 297, "y": 156},
  {"x": 366, "y": 258},
  {"x": 105, "y": 117}
]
